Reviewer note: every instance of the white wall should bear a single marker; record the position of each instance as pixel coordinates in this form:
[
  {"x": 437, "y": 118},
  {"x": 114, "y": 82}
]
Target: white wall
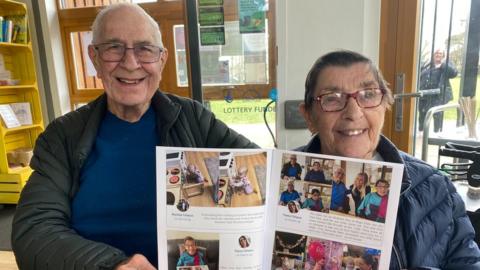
[
  {"x": 54, "y": 57},
  {"x": 308, "y": 29}
]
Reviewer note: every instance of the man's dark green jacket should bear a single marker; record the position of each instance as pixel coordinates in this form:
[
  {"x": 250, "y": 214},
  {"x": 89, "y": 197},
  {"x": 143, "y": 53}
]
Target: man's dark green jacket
[{"x": 42, "y": 237}]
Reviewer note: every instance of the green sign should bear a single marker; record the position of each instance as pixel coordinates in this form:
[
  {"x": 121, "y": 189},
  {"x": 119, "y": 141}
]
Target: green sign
[
  {"x": 212, "y": 36},
  {"x": 210, "y": 3},
  {"x": 210, "y": 16},
  {"x": 251, "y": 14}
]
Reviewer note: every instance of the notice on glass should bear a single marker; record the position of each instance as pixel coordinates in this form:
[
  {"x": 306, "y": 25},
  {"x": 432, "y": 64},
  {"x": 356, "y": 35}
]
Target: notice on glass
[
  {"x": 212, "y": 36},
  {"x": 273, "y": 209},
  {"x": 251, "y": 14},
  {"x": 209, "y": 16},
  {"x": 210, "y": 3}
]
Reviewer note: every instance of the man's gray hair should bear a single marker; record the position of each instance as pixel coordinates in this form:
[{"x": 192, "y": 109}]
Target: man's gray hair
[{"x": 97, "y": 26}]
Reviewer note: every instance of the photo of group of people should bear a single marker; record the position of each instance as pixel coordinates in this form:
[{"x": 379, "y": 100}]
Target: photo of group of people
[
  {"x": 209, "y": 179},
  {"x": 316, "y": 196},
  {"x": 294, "y": 251},
  {"x": 335, "y": 186}
]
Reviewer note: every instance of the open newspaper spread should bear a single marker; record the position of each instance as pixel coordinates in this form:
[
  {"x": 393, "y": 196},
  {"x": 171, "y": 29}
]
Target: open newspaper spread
[{"x": 273, "y": 209}]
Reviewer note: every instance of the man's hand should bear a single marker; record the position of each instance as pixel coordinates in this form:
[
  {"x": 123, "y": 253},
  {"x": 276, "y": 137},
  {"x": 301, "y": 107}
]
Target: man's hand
[{"x": 136, "y": 262}]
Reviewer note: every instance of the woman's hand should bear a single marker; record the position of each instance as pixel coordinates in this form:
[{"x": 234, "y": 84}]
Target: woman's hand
[{"x": 136, "y": 262}]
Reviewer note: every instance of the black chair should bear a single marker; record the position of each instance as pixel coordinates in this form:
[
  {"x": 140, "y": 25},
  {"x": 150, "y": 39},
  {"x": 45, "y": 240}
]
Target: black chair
[{"x": 468, "y": 169}]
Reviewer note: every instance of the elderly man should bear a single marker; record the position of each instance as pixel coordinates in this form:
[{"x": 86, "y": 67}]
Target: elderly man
[
  {"x": 290, "y": 194},
  {"x": 90, "y": 202},
  {"x": 291, "y": 169}
]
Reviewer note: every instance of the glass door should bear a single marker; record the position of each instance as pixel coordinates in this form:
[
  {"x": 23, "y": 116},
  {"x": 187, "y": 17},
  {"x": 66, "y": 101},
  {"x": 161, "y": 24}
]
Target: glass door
[
  {"x": 447, "y": 76},
  {"x": 236, "y": 40}
]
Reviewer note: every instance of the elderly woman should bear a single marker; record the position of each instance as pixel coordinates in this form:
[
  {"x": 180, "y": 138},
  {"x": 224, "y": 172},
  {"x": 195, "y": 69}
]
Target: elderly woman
[{"x": 345, "y": 102}]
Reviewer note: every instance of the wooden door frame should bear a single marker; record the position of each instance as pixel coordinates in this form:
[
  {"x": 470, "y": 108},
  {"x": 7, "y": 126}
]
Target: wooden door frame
[{"x": 399, "y": 36}]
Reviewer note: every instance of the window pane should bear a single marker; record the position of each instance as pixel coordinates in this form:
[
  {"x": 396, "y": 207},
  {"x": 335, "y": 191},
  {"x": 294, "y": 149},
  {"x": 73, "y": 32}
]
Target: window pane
[
  {"x": 180, "y": 56},
  {"x": 85, "y": 73},
  {"x": 246, "y": 117},
  {"x": 447, "y": 51},
  {"x": 96, "y": 3},
  {"x": 242, "y": 60}
]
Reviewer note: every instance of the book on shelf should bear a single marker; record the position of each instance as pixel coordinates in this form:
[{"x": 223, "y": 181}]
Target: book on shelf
[
  {"x": 14, "y": 28},
  {"x": 1, "y": 28},
  {"x": 19, "y": 29},
  {"x": 251, "y": 209},
  {"x": 7, "y": 28}
]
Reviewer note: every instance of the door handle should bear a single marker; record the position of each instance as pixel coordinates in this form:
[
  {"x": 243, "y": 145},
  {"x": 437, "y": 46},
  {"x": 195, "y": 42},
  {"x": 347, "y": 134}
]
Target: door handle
[
  {"x": 421, "y": 93},
  {"x": 400, "y": 95},
  {"x": 404, "y": 95}
]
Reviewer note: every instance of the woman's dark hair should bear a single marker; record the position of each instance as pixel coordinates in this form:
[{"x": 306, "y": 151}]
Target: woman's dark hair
[
  {"x": 244, "y": 238},
  {"x": 341, "y": 58},
  {"x": 382, "y": 181}
]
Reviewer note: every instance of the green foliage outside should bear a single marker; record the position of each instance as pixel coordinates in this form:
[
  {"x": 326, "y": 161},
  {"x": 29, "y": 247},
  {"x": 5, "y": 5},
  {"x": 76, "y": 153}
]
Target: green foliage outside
[
  {"x": 243, "y": 111},
  {"x": 455, "y": 82}
]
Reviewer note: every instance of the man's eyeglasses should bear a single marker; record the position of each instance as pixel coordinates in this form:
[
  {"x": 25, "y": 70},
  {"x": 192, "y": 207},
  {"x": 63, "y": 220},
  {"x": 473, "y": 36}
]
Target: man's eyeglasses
[
  {"x": 114, "y": 52},
  {"x": 335, "y": 101}
]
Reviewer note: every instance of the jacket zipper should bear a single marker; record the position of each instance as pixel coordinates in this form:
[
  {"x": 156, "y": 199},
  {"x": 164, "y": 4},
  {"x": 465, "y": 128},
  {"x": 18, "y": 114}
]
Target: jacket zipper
[{"x": 398, "y": 257}]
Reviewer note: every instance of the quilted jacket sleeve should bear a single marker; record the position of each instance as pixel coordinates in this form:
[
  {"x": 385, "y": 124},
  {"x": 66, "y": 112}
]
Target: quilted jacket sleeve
[{"x": 42, "y": 237}]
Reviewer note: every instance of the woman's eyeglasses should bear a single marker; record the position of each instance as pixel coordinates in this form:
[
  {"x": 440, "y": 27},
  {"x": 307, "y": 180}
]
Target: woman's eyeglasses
[{"x": 336, "y": 101}]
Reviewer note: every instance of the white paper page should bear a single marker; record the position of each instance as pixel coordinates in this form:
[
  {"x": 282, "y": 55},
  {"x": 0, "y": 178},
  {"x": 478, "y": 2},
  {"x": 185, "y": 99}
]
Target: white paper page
[
  {"x": 223, "y": 210},
  {"x": 8, "y": 116},
  {"x": 299, "y": 238}
]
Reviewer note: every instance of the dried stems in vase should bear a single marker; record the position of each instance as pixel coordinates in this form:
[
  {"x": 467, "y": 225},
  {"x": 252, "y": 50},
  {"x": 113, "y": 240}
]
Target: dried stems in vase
[{"x": 469, "y": 106}]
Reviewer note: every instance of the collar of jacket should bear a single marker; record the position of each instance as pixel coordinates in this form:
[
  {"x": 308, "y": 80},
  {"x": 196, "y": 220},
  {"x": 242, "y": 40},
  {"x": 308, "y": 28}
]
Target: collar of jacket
[
  {"x": 166, "y": 112},
  {"x": 385, "y": 148}
]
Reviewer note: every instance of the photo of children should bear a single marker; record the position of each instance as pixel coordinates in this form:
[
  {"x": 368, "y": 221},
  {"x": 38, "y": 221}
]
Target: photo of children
[
  {"x": 374, "y": 205},
  {"x": 314, "y": 202},
  {"x": 190, "y": 255},
  {"x": 192, "y": 250},
  {"x": 209, "y": 179}
]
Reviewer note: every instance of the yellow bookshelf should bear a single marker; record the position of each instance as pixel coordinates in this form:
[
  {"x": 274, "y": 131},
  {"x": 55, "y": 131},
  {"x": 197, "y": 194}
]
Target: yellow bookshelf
[{"x": 19, "y": 60}]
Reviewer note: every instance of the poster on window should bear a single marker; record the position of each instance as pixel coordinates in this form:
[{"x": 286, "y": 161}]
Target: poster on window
[{"x": 251, "y": 14}]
